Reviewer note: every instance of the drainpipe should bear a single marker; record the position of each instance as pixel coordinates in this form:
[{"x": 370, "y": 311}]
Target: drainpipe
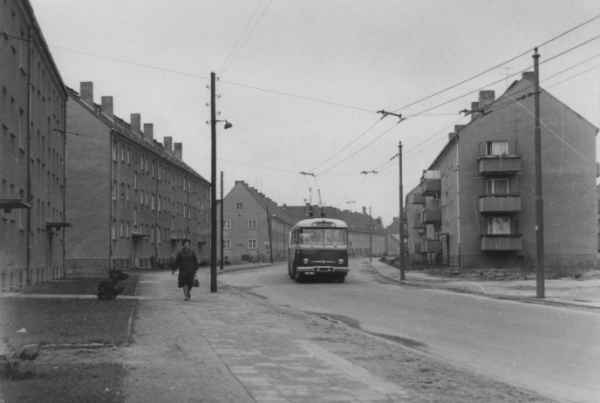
[{"x": 27, "y": 162}]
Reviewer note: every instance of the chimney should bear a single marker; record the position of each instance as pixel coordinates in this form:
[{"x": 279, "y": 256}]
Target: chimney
[
  {"x": 168, "y": 142},
  {"x": 107, "y": 105},
  {"x": 364, "y": 209},
  {"x": 178, "y": 151},
  {"x": 486, "y": 97},
  {"x": 451, "y": 135},
  {"x": 86, "y": 91},
  {"x": 136, "y": 121},
  {"x": 475, "y": 111},
  {"x": 149, "y": 131},
  {"x": 458, "y": 128}
]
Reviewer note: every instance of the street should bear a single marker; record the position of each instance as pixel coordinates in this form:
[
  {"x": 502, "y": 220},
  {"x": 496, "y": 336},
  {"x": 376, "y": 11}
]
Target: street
[{"x": 550, "y": 350}]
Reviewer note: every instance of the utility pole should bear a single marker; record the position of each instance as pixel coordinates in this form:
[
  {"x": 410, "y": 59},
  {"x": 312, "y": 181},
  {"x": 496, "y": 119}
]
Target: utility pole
[
  {"x": 370, "y": 236},
  {"x": 401, "y": 213},
  {"x": 213, "y": 187},
  {"x": 539, "y": 201},
  {"x": 221, "y": 220}
]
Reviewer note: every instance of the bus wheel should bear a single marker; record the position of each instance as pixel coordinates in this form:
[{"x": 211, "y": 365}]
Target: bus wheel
[
  {"x": 341, "y": 278},
  {"x": 298, "y": 276}
]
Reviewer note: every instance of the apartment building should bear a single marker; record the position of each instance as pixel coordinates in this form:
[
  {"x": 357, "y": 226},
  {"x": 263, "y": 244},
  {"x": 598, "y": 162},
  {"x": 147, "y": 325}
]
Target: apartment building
[
  {"x": 255, "y": 227},
  {"x": 131, "y": 200},
  {"x": 32, "y": 152},
  {"x": 475, "y": 204}
]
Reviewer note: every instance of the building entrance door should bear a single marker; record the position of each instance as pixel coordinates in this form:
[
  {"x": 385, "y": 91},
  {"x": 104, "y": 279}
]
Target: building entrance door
[{"x": 445, "y": 241}]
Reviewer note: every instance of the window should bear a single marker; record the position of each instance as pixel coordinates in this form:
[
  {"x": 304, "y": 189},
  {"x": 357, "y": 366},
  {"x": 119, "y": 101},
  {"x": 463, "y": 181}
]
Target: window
[
  {"x": 115, "y": 152},
  {"x": 227, "y": 243},
  {"x": 251, "y": 223},
  {"x": 239, "y": 205},
  {"x": 114, "y": 190},
  {"x": 496, "y": 148},
  {"x": 251, "y": 243},
  {"x": 499, "y": 225},
  {"x": 227, "y": 225},
  {"x": 497, "y": 186}
]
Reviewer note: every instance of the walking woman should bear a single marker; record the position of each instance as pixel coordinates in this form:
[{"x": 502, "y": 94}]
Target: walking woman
[{"x": 187, "y": 264}]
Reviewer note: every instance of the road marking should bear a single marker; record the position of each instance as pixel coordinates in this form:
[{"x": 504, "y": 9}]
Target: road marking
[{"x": 359, "y": 374}]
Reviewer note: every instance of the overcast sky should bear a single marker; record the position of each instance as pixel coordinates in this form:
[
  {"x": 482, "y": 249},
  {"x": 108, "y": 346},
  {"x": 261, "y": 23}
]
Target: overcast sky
[{"x": 366, "y": 55}]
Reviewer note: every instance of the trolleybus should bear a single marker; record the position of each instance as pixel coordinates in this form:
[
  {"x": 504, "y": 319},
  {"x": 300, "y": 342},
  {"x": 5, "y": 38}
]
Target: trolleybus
[{"x": 318, "y": 247}]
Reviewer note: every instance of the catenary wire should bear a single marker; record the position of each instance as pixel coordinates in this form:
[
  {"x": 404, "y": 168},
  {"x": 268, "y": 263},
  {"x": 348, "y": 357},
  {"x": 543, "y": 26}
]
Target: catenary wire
[
  {"x": 494, "y": 67},
  {"x": 246, "y": 34}
]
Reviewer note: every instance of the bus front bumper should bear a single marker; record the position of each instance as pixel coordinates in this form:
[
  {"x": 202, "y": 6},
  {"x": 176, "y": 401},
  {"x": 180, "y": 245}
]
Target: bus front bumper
[{"x": 313, "y": 270}]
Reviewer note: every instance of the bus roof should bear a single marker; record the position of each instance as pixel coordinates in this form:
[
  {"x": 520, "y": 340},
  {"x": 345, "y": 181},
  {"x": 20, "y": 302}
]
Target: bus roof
[{"x": 321, "y": 223}]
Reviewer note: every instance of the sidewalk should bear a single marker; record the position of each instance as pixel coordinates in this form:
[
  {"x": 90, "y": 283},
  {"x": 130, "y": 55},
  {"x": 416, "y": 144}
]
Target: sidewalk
[
  {"x": 232, "y": 346},
  {"x": 564, "y": 291}
]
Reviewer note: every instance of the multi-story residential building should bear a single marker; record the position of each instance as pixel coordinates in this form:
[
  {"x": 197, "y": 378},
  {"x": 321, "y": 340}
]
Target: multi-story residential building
[
  {"x": 32, "y": 151},
  {"x": 475, "y": 205},
  {"x": 254, "y": 225},
  {"x": 130, "y": 199}
]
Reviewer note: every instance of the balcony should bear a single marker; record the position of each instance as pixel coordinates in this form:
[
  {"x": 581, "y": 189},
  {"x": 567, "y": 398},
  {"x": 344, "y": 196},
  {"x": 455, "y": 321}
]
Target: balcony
[
  {"x": 499, "y": 204},
  {"x": 417, "y": 198},
  {"x": 431, "y": 246},
  {"x": 431, "y": 187},
  {"x": 501, "y": 243},
  {"x": 432, "y": 213},
  {"x": 491, "y": 165}
]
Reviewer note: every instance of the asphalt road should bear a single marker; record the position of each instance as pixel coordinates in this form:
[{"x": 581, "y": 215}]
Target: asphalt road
[{"x": 551, "y": 350}]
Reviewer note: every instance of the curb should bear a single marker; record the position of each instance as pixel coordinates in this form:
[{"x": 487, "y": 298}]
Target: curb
[
  {"x": 527, "y": 300},
  {"x": 232, "y": 269}
]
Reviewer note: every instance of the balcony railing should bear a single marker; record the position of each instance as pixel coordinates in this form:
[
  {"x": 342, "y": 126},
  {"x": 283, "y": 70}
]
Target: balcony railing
[
  {"x": 417, "y": 198},
  {"x": 491, "y": 204},
  {"x": 432, "y": 215},
  {"x": 508, "y": 242},
  {"x": 431, "y": 187},
  {"x": 431, "y": 246},
  {"x": 490, "y": 165}
]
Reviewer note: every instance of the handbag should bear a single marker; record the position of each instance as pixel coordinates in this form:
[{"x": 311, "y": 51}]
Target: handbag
[{"x": 196, "y": 282}]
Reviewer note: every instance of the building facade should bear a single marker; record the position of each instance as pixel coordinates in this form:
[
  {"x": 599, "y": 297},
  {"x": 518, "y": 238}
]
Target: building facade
[
  {"x": 254, "y": 225},
  {"x": 131, "y": 200},
  {"x": 32, "y": 152},
  {"x": 475, "y": 205}
]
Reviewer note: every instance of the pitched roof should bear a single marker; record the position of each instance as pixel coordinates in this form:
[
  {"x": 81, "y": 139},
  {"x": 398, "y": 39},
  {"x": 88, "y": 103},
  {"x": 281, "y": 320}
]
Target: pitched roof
[
  {"x": 123, "y": 128},
  {"x": 267, "y": 203}
]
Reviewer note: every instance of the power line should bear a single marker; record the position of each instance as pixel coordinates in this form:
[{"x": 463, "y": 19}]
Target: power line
[
  {"x": 425, "y": 98},
  {"x": 451, "y": 100},
  {"x": 251, "y": 25},
  {"x": 364, "y": 147},
  {"x": 304, "y": 97},
  {"x": 348, "y": 144},
  {"x": 133, "y": 63}
]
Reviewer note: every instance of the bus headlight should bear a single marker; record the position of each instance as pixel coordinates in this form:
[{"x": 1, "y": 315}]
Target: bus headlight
[
  {"x": 340, "y": 261},
  {"x": 305, "y": 260}
]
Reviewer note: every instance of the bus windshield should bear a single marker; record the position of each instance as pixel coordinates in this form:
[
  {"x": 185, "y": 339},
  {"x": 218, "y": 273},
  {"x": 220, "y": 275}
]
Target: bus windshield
[{"x": 330, "y": 237}]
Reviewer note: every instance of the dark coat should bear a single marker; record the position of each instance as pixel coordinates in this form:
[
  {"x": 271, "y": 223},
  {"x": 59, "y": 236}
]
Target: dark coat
[{"x": 186, "y": 262}]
